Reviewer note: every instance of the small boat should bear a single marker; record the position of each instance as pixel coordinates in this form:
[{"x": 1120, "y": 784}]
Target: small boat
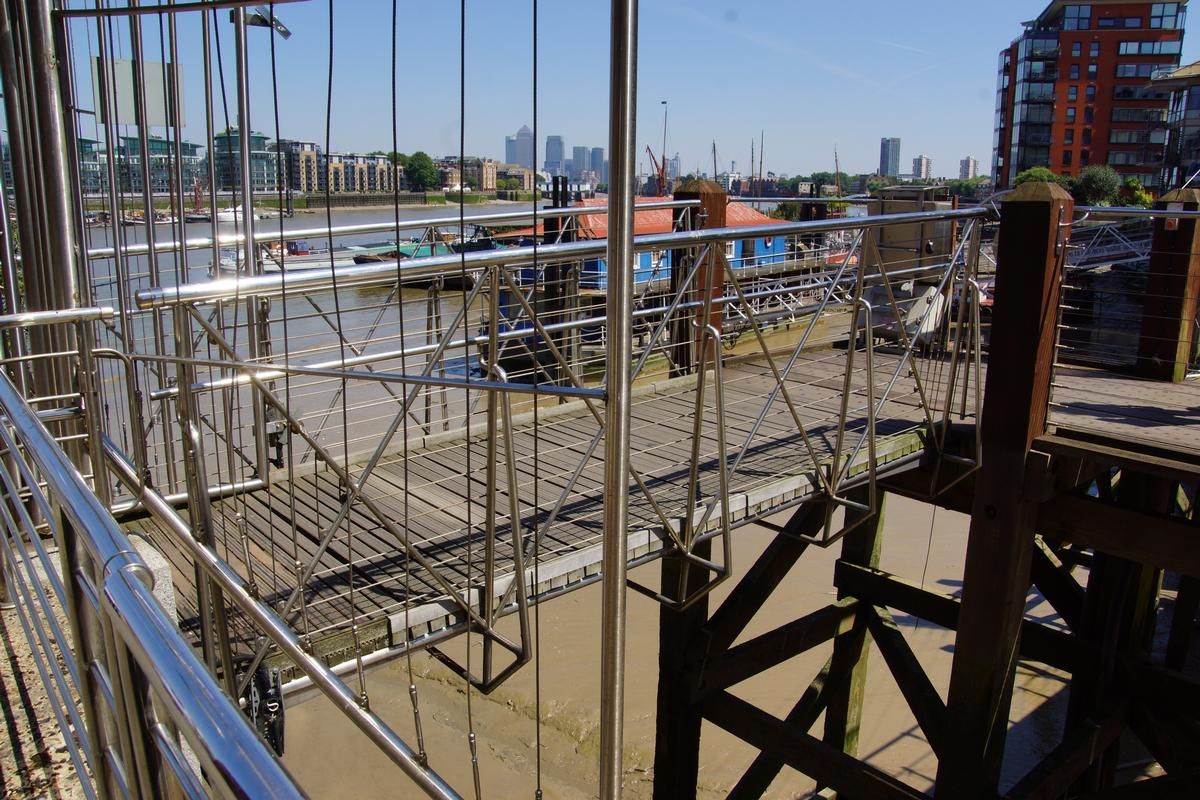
[
  {"x": 229, "y": 262},
  {"x": 230, "y": 214},
  {"x": 197, "y": 216}
]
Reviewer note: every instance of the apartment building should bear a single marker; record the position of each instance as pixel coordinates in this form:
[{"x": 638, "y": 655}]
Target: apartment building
[{"x": 1075, "y": 89}]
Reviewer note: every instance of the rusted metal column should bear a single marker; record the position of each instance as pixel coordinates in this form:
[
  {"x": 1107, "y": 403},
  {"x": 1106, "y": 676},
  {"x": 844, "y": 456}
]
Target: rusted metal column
[
  {"x": 1167, "y": 337},
  {"x": 1034, "y": 224}
]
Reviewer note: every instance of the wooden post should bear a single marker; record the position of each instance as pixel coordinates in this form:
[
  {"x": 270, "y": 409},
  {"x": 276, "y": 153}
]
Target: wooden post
[
  {"x": 711, "y": 275},
  {"x": 844, "y": 714},
  {"x": 1033, "y": 227},
  {"x": 1118, "y": 620},
  {"x": 1169, "y": 306},
  {"x": 677, "y": 731}
]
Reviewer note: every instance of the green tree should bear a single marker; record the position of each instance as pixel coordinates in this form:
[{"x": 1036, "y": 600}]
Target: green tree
[
  {"x": 1041, "y": 175},
  {"x": 420, "y": 171},
  {"x": 1133, "y": 193},
  {"x": 1097, "y": 185},
  {"x": 966, "y": 187}
]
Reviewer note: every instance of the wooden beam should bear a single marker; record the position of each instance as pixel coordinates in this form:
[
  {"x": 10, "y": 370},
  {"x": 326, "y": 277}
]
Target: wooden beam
[
  {"x": 827, "y": 765},
  {"x": 1035, "y": 222},
  {"x": 757, "y": 778},
  {"x": 922, "y": 698},
  {"x": 760, "y": 581},
  {"x": 1038, "y": 642},
  {"x": 1100, "y": 449},
  {"x": 677, "y": 721},
  {"x": 1156, "y": 539},
  {"x": 776, "y": 646},
  {"x": 1166, "y": 343},
  {"x": 850, "y": 652},
  {"x": 1160, "y": 787},
  {"x": 1172, "y": 744},
  {"x": 1183, "y": 621},
  {"x": 1053, "y": 776},
  {"x": 1057, "y": 585}
]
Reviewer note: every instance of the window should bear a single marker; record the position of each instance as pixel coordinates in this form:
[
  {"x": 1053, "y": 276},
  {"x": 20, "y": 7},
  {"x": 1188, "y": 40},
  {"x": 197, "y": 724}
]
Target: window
[
  {"x": 1094, "y": 50},
  {"x": 1069, "y": 136},
  {"x": 1150, "y": 48},
  {"x": 1091, "y": 93},
  {"x": 1165, "y": 15},
  {"x": 1087, "y": 135},
  {"x": 1076, "y": 49},
  {"x": 1123, "y": 157},
  {"x": 1091, "y": 72},
  {"x": 1077, "y": 17},
  {"x": 1074, "y": 73},
  {"x": 1137, "y": 137},
  {"x": 1072, "y": 93},
  {"x": 1138, "y": 93},
  {"x": 1139, "y": 114},
  {"x": 1084, "y": 157},
  {"x": 1119, "y": 22},
  {"x": 1070, "y": 115},
  {"x": 1089, "y": 115},
  {"x": 1067, "y": 158},
  {"x": 1128, "y": 70}
]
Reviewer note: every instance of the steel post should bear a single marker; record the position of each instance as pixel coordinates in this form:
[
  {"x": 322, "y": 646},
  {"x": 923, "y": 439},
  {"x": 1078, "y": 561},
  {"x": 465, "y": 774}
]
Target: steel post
[
  {"x": 255, "y": 307},
  {"x": 622, "y": 128}
]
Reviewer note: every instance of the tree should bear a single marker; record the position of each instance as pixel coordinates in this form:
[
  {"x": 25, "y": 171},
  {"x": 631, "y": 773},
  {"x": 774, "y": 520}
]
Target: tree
[
  {"x": 1041, "y": 175},
  {"x": 420, "y": 171},
  {"x": 1133, "y": 193},
  {"x": 1097, "y": 185},
  {"x": 966, "y": 187}
]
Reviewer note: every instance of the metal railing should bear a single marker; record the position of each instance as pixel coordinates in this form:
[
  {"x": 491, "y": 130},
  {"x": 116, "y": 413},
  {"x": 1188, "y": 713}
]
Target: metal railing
[
  {"x": 140, "y": 715},
  {"x": 355, "y": 462},
  {"x": 384, "y": 394}
]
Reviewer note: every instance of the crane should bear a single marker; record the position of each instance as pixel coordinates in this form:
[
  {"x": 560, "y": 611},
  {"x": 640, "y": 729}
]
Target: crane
[{"x": 660, "y": 176}]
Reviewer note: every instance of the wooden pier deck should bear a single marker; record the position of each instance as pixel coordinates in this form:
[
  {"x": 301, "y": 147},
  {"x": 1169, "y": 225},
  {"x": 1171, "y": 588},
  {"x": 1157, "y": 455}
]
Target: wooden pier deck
[{"x": 433, "y": 497}]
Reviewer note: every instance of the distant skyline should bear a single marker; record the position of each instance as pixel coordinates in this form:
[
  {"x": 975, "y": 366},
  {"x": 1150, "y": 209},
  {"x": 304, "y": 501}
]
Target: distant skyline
[{"x": 925, "y": 73}]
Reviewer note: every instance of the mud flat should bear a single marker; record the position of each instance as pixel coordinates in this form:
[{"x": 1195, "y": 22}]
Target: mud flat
[{"x": 332, "y": 759}]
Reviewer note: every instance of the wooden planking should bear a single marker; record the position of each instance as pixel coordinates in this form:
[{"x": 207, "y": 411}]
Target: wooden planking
[{"x": 434, "y": 495}]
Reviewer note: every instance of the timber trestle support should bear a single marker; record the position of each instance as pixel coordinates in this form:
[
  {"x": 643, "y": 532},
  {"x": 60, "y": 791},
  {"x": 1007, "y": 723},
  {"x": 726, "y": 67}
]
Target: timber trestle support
[{"x": 1101, "y": 530}]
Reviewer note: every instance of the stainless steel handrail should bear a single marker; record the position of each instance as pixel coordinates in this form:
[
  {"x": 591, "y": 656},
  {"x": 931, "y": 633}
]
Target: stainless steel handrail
[
  {"x": 417, "y": 268},
  {"x": 235, "y": 761},
  {"x": 266, "y": 236}
]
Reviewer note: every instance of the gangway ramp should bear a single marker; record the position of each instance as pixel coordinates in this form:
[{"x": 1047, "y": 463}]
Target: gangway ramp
[{"x": 433, "y": 491}]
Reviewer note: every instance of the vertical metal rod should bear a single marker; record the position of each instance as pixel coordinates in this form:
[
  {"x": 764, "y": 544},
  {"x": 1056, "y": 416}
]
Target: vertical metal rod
[
  {"x": 254, "y": 317},
  {"x": 621, "y": 135},
  {"x": 55, "y": 272},
  {"x": 143, "y": 129},
  {"x": 15, "y": 339}
]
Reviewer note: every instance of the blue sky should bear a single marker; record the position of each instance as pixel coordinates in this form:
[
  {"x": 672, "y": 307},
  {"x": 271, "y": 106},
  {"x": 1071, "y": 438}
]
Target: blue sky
[{"x": 810, "y": 75}]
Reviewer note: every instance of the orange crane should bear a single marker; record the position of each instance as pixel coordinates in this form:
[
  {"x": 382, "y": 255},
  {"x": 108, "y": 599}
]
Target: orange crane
[{"x": 660, "y": 175}]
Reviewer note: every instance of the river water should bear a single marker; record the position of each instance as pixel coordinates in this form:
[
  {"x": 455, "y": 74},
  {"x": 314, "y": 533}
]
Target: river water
[{"x": 306, "y": 329}]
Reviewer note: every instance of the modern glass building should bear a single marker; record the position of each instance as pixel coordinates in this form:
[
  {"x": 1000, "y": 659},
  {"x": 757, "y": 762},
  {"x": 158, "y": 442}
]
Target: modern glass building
[
  {"x": 1074, "y": 89},
  {"x": 264, "y": 169},
  {"x": 889, "y": 157},
  {"x": 1181, "y": 156}
]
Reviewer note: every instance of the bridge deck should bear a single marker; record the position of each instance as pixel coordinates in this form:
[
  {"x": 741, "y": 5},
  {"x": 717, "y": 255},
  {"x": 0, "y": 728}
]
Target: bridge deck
[{"x": 435, "y": 499}]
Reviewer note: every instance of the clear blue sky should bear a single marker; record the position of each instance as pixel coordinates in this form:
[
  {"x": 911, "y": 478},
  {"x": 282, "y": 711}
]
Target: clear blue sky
[{"x": 811, "y": 74}]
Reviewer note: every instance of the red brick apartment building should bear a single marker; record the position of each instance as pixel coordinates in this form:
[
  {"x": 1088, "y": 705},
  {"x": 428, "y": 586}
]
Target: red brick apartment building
[{"x": 1074, "y": 89}]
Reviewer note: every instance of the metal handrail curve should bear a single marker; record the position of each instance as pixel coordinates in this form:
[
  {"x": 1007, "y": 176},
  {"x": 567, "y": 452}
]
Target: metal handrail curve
[{"x": 234, "y": 760}]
